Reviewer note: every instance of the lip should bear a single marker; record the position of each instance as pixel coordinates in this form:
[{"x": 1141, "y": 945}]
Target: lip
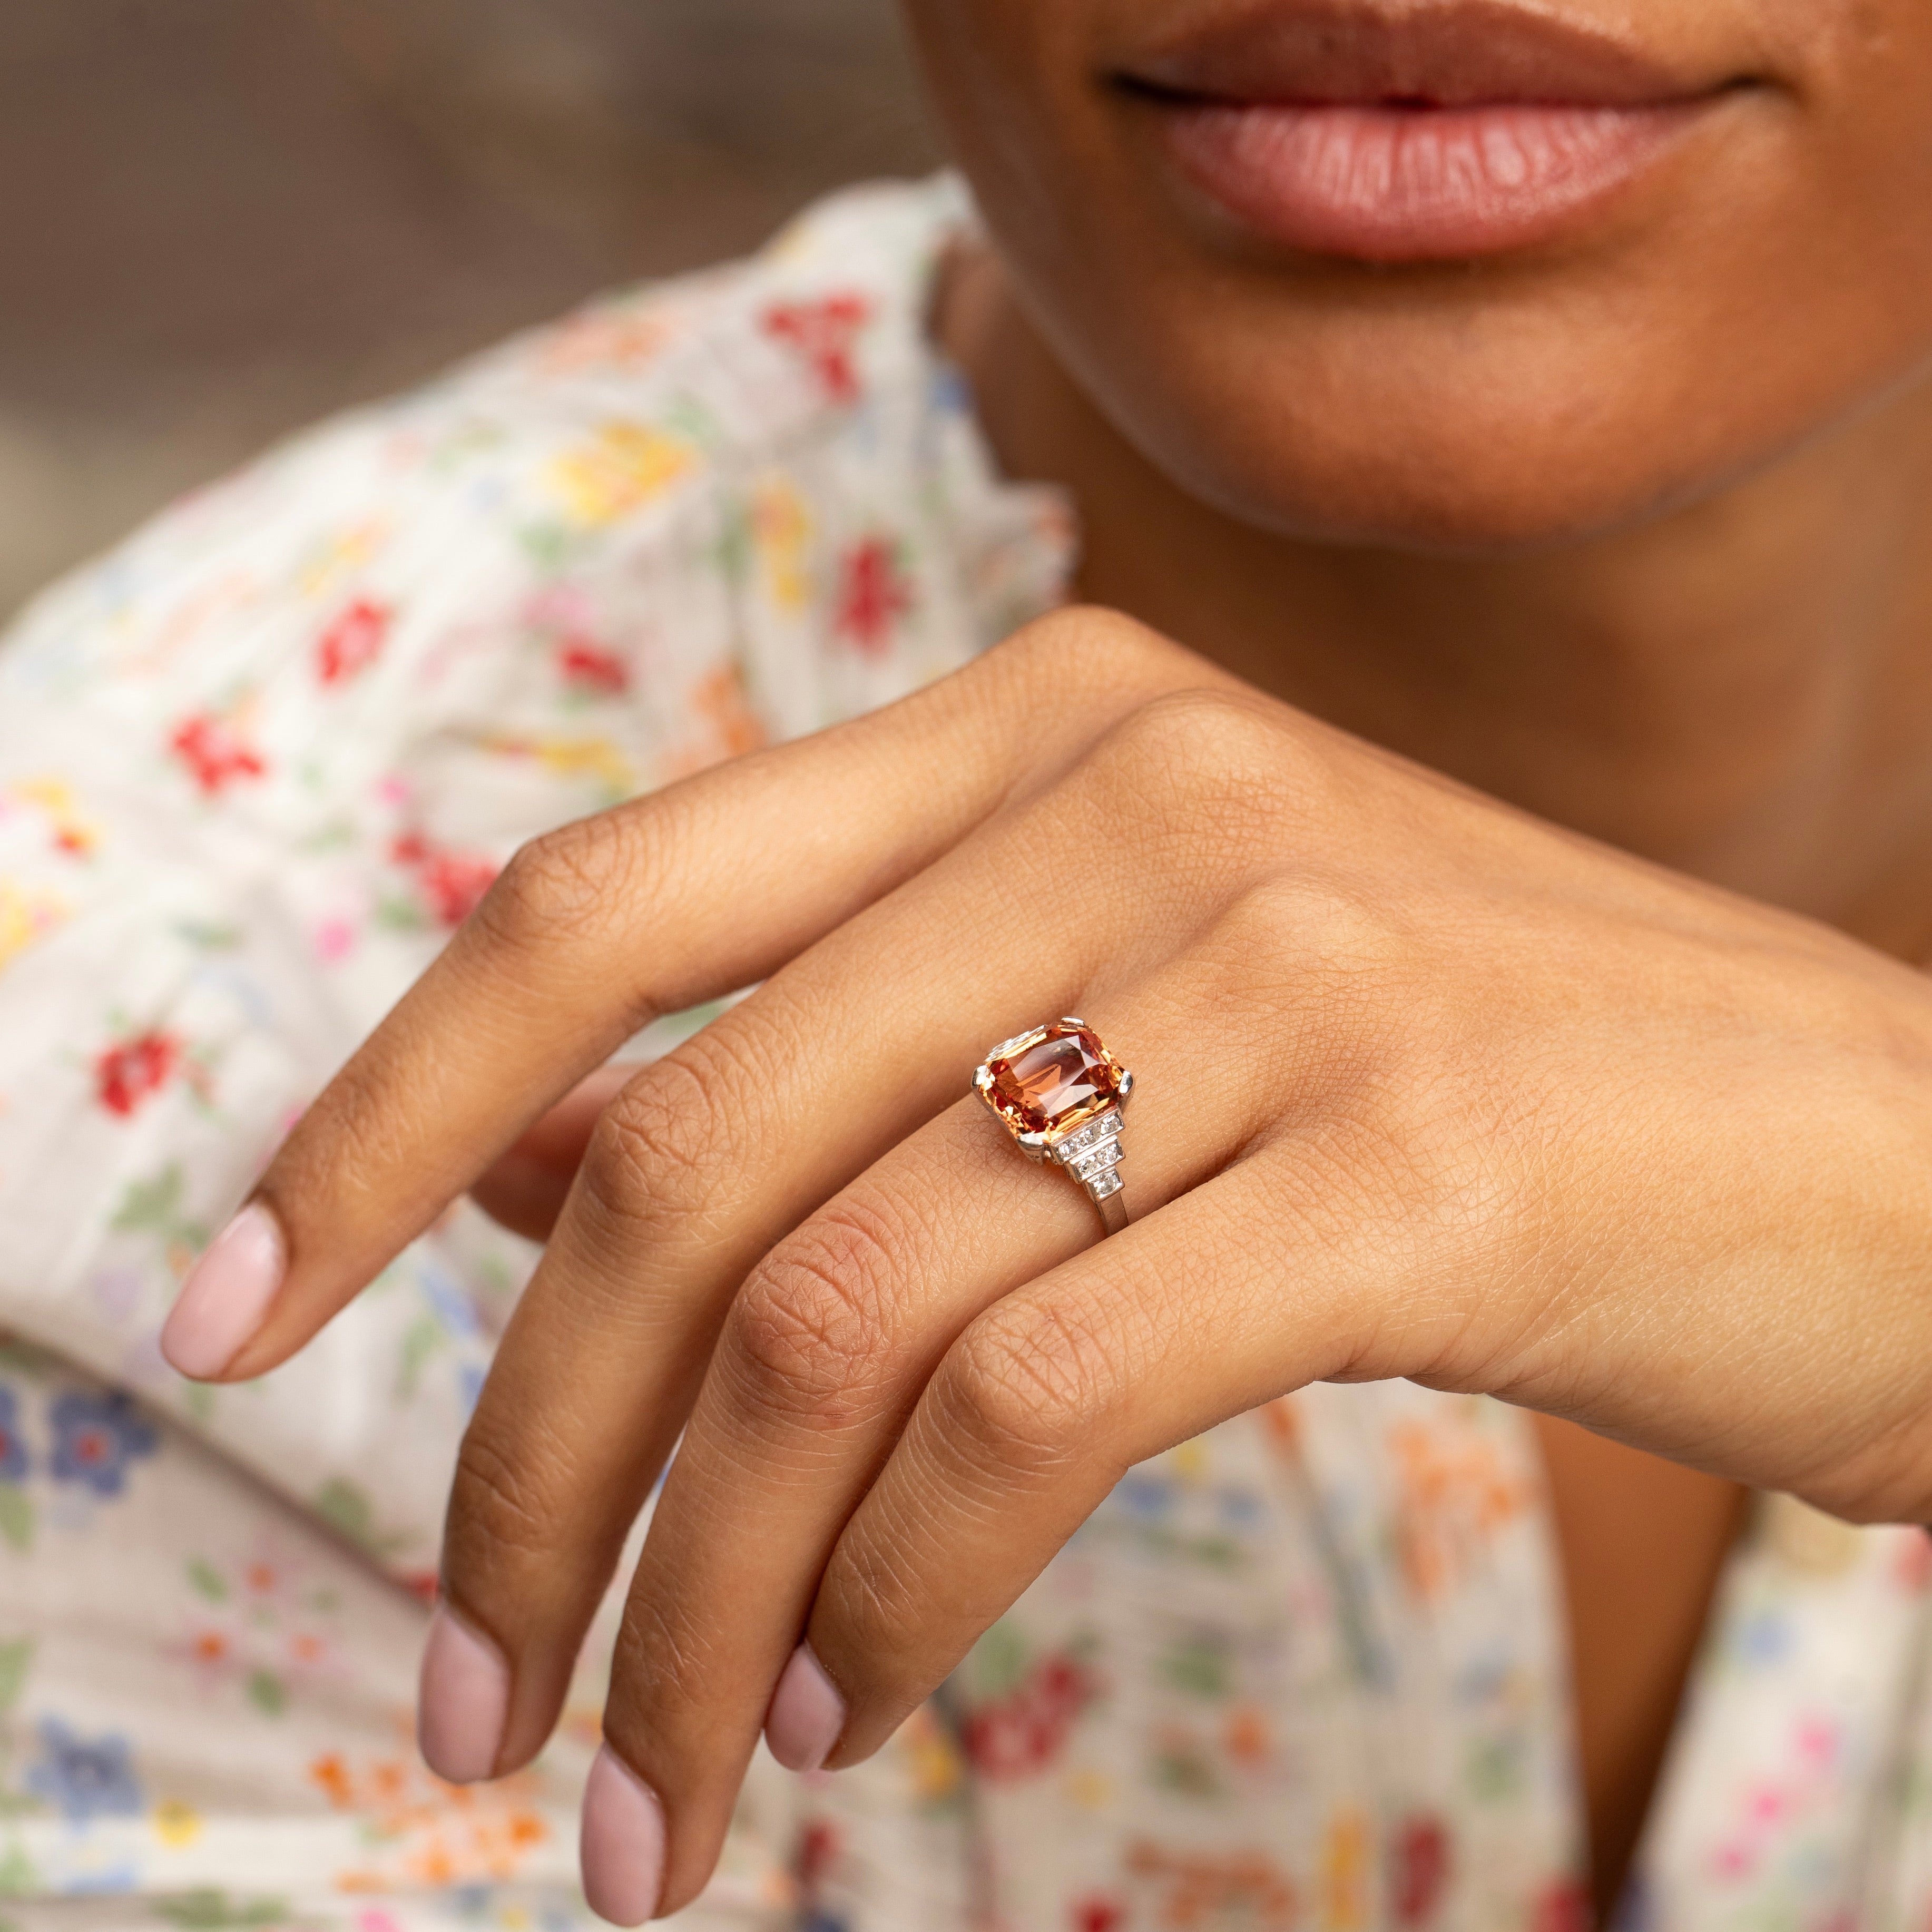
[{"x": 1445, "y": 131}]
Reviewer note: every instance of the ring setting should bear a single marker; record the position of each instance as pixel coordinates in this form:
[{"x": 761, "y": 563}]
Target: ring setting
[{"x": 1059, "y": 1093}]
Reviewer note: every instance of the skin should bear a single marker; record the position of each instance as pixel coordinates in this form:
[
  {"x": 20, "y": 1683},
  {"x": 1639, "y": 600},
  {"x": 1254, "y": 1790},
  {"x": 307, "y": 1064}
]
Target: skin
[{"x": 1627, "y": 532}]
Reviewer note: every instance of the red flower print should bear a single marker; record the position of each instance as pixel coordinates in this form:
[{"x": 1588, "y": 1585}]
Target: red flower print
[
  {"x": 354, "y": 640},
  {"x": 1098, "y": 1914},
  {"x": 1564, "y": 1907},
  {"x": 825, "y": 333},
  {"x": 124, "y": 1076},
  {"x": 818, "y": 1851},
  {"x": 1421, "y": 1873},
  {"x": 451, "y": 882},
  {"x": 586, "y": 667},
  {"x": 1914, "y": 1569},
  {"x": 873, "y": 594},
  {"x": 216, "y": 754},
  {"x": 1026, "y": 1730}
]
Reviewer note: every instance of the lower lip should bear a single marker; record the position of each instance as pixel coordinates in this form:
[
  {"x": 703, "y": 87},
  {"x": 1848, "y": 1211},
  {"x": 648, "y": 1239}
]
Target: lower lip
[{"x": 1415, "y": 185}]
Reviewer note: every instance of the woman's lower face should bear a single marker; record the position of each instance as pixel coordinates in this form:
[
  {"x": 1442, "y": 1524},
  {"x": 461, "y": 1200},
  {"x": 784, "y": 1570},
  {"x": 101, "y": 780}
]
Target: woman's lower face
[{"x": 1471, "y": 275}]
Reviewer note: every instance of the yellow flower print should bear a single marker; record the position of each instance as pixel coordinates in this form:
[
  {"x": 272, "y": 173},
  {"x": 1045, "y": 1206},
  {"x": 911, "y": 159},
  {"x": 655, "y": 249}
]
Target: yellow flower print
[
  {"x": 931, "y": 1757},
  {"x": 1344, "y": 1872},
  {"x": 620, "y": 470},
  {"x": 781, "y": 529},
  {"x": 1092, "y": 1790},
  {"x": 597, "y": 758},
  {"x": 26, "y": 917},
  {"x": 589, "y": 757},
  {"x": 176, "y": 1824},
  {"x": 340, "y": 556}
]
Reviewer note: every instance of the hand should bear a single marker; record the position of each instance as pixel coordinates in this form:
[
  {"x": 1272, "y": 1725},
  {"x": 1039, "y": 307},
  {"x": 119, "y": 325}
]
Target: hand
[{"x": 1427, "y": 1089}]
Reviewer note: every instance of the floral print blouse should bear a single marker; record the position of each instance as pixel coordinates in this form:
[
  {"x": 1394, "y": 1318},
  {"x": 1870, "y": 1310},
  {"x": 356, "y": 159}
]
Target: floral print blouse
[{"x": 1304, "y": 1674}]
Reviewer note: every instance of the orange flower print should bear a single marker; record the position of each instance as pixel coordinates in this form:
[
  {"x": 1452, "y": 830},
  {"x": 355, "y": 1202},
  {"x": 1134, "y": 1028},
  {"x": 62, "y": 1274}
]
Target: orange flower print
[
  {"x": 424, "y": 1832},
  {"x": 451, "y": 882},
  {"x": 352, "y": 642},
  {"x": 1201, "y": 1891},
  {"x": 128, "y": 1073},
  {"x": 825, "y": 333},
  {"x": 587, "y": 667},
  {"x": 1455, "y": 1493},
  {"x": 873, "y": 595},
  {"x": 216, "y": 754}
]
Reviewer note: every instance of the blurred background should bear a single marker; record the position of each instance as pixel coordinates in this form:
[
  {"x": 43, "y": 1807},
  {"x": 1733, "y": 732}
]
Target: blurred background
[{"x": 226, "y": 217}]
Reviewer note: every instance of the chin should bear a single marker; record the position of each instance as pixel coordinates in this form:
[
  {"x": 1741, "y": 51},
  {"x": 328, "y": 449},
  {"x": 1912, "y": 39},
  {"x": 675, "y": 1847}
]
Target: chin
[
  {"x": 1486, "y": 490},
  {"x": 1482, "y": 436}
]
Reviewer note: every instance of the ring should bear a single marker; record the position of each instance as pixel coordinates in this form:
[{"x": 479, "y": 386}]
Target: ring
[{"x": 1060, "y": 1093}]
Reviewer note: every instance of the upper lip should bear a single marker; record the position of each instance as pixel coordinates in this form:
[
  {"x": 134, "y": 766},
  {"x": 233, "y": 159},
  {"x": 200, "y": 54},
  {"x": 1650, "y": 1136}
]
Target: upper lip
[{"x": 1442, "y": 53}]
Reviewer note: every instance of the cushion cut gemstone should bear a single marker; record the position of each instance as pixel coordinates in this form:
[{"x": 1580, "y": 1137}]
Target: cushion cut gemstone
[{"x": 1053, "y": 1083}]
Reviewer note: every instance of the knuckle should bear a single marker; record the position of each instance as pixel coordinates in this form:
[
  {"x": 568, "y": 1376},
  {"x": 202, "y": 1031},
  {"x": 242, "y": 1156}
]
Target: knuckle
[
  {"x": 664, "y": 1669},
  {"x": 1088, "y": 643},
  {"x": 874, "y": 1601},
  {"x": 813, "y": 1336},
  {"x": 502, "y": 1506},
  {"x": 1202, "y": 731},
  {"x": 662, "y": 1151},
  {"x": 572, "y": 882},
  {"x": 1026, "y": 1386},
  {"x": 1201, "y": 764}
]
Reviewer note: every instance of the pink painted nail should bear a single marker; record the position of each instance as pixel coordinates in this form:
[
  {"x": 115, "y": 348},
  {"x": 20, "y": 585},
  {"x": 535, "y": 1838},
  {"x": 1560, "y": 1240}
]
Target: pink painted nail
[
  {"x": 464, "y": 1702},
  {"x": 622, "y": 1844},
  {"x": 806, "y": 1715},
  {"x": 226, "y": 1295}
]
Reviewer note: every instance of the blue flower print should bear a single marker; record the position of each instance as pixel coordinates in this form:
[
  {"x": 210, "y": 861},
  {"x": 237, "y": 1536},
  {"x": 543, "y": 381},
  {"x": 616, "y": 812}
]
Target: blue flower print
[
  {"x": 12, "y": 1447},
  {"x": 95, "y": 1438},
  {"x": 87, "y": 1778}
]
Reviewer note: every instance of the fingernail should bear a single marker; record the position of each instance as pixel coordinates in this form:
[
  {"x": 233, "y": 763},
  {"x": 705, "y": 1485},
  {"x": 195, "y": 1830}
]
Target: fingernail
[
  {"x": 464, "y": 1702},
  {"x": 226, "y": 1295},
  {"x": 622, "y": 1844},
  {"x": 807, "y": 1713}
]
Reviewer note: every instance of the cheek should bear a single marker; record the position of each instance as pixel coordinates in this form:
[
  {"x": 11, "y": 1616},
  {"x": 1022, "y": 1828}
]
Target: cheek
[{"x": 1773, "y": 278}]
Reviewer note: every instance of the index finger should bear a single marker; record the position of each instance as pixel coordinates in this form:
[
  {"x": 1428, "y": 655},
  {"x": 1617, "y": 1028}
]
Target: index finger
[{"x": 595, "y": 929}]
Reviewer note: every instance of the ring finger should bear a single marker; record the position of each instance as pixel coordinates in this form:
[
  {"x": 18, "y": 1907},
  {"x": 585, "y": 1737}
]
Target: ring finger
[{"x": 823, "y": 1356}]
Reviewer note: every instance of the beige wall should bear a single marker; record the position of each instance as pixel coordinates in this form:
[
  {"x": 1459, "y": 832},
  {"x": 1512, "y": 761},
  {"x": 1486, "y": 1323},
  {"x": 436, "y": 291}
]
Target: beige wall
[{"x": 224, "y": 218}]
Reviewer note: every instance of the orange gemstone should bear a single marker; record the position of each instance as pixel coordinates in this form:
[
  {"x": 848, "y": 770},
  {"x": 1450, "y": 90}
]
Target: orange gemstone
[{"x": 1053, "y": 1083}]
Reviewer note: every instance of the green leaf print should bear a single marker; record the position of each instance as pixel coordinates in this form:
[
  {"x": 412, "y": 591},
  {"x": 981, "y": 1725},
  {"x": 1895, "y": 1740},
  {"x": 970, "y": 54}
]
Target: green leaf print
[
  {"x": 267, "y": 1693},
  {"x": 999, "y": 1662},
  {"x": 210, "y": 1911},
  {"x": 419, "y": 1343},
  {"x": 348, "y": 1512},
  {"x": 16, "y": 1517},
  {"x": 155, "y": 1207},
  {"x": 17, "y": 1876},
  {"x": 1198, "y": 1665},
  {"x": 208, "y": 1581},
  {"x": 14, "y": 1658},
  {"x": 155, "y": 1203}
]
